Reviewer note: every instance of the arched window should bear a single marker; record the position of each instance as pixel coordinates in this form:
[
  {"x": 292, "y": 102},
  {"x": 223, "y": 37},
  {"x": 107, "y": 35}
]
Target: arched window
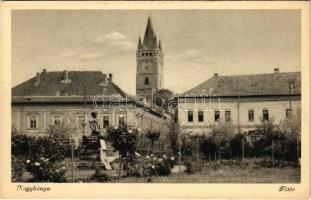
[{"x": 146, "y": 81}]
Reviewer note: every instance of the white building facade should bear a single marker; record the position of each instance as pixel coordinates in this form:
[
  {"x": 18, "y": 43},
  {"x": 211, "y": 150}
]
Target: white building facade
[{"x": 241, "y": 100}]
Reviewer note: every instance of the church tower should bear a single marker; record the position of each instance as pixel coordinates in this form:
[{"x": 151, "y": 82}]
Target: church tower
[{"x": 149, "y": 57}]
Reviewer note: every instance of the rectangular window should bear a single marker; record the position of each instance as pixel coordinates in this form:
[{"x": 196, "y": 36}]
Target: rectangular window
[
  {"x": 251, "y": 115},
  {"x": 33, "y": 121},
  {"x": 265, "y": 115},
  {"x": 121, "y": 120},
  {"x": 81, "y": 121},
  {"x": 288, "y": 113},
  {"x": 106, "y": 121},
  {"x": 216, "y": 115},
  {"x": 227, "y": 115},
  {"x": 57, "y": 120},
  {"x": 190, "y": 116},
  {"x": 200, "y": 116}
]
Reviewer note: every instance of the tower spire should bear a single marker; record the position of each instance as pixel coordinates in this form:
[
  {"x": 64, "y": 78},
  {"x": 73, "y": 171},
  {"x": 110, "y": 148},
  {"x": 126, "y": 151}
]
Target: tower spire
[{"x": 150, "y": 40}]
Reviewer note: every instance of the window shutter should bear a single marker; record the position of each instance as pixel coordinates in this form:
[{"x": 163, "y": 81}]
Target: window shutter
[
  {"x": 37, "y": 121},
  {"x": 28, "y": 121}
]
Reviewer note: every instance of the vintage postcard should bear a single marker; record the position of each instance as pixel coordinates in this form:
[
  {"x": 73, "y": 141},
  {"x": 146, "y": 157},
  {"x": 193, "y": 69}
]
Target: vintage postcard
[{"x": 155, "y": 99}]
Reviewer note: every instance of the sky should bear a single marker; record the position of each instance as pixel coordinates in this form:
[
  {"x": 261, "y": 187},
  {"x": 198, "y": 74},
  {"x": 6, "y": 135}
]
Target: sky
[{"x": 196, "y": 43}]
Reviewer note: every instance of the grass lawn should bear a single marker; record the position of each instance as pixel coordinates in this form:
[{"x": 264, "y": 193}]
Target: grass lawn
[{"x": 227, "y": 175}]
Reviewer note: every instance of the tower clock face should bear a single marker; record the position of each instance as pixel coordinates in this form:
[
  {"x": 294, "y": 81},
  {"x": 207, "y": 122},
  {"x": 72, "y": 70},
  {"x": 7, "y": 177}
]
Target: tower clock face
[{"x": 146, "y": 66}]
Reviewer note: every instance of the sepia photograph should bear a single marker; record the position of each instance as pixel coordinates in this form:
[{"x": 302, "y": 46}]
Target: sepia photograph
[
  {"x": 203, "y": 100},
  {"x": 156, "y": 96}
]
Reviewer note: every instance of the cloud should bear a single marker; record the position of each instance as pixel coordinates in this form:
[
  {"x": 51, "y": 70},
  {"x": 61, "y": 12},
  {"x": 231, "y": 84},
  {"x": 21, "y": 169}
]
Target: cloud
[
  {"x": 69, "y": 54},
  {"x": 114, "y": 36},
  {"x": 88, "y": 56},
  {"x": 191, "y": 56},
  {"x": 115, "y": 40}
]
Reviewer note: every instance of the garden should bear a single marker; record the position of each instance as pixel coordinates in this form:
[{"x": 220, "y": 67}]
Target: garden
[{"x": 271, "y": 154}]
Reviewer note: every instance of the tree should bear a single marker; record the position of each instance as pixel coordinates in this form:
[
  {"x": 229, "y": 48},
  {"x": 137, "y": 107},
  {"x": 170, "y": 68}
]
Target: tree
[
  {"x": 291, "y": 127},
  {"x": 209, "y": 148},
  {"x": 153, "y": 135},
  {"x": 123, "y": 140},
  {"x": 222, "y": 132},
  {"x": 174, "y": 130},
  {"x": 163, "y": 98},
  {"x": 270, "y": 141},
  {"x": 236, "y": 145}
]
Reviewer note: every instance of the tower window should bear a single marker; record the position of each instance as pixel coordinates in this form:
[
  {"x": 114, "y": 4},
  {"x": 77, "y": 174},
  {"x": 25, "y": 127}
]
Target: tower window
[
  {"x": 142, "y": 54},
  {"x": 146, "y": 81}
]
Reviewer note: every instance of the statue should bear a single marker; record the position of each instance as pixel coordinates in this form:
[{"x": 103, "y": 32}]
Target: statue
[{"x": 94, "y": 125}]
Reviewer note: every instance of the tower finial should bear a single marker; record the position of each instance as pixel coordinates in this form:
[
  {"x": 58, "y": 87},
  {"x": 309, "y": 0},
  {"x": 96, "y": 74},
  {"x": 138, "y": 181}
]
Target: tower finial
[
  {"x": 140, "y": 46},
  {"x": 160, "y": 45}
]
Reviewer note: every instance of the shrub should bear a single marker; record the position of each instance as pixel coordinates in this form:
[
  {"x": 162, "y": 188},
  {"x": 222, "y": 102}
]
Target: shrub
[
  {"x": 22, "y": 144},
  {"x": 123, "y": 140},
  {"x": 18, "y": 168},
  {"x": 268, "y": 163},
  {"x": 56, "y": 145},
  {"x": 101, "y": 176},
  {"x": 153, "y": 135},
  {"x": 287, "y": 150},
  {"x": 236, "y": 146},
  {"x": 151, "y": 166},
  {"x": 45, "y": 171},
  {"x": 208, "y": 147},
  {"x": 192, "y": 167}
]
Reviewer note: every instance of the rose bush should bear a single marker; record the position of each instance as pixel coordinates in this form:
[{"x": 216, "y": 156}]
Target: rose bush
[
  {"x": 151, "y": 166},
  {"x": 43, "y": 170}
]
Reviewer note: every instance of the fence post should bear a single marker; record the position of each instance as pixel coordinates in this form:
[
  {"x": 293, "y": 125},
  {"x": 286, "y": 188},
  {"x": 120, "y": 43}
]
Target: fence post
[
  {"x": 273, "y": 152},
  {"x": 298, "y": 151},
  {"x": 179, "y": 155},
  {"x": 242, "y": 147},
  {"x": 120, "y": 164},
  {"x": 72, "y": 154}
]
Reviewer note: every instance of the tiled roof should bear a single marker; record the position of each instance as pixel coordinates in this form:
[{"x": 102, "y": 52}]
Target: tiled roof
[
  {"x": 51, "y": 84},
  {"x": 250, "y": 85}
]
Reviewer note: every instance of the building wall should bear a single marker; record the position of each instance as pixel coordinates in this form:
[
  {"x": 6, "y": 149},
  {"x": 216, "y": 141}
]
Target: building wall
[
  {"x": 134, "y": 117},
  {"x": 238, "y": 110}
]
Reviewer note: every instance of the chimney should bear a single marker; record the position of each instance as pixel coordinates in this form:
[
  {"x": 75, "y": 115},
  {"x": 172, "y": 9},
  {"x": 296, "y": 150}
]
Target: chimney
[
  {"x": 65, "y": 75},
  {"x": 44, "y": 71},
  {"x": 216, "y": 75},
  {"x": 37, "y": 79},
  {"x": 276, "y": 70},
  {"x": 110, "y": 77},
  {"x": 65, "y": 78}
]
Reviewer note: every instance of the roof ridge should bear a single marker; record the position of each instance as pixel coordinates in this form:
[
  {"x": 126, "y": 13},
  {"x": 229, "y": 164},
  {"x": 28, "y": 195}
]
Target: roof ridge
[
  {"x": 220, "y": 83},
  {"x": 256, "y": 74},
  {"x": 75, "y": 71}
]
